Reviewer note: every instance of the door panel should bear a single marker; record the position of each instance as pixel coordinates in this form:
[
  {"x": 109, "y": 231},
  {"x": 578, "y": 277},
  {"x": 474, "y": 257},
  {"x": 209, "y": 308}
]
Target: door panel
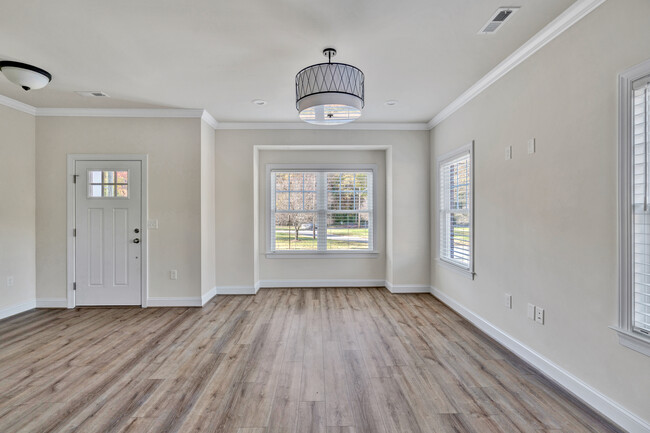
[{"x": 107, "y": 248}]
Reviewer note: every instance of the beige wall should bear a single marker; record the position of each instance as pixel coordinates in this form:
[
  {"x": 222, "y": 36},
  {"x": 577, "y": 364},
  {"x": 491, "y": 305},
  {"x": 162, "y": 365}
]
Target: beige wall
[
  {"x": 546, "y": 224},
  {"x": 325, "y": 268},
  {"x": 174, "y": 150},
  {"x": 17, "y": 208},
  {"x": 208, "y": 209},
  {"x": 408, "y": 165}
]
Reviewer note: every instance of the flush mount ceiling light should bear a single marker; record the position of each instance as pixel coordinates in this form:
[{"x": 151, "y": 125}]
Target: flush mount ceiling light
[
  {"x": 259, "y": 102},
  {"x": 329, "y": 93},
  {"x": 26, "y": 76}
]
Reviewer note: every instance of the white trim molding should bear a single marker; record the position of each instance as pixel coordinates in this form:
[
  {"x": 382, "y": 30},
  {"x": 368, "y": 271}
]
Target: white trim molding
[
  {"x": 206, "y": 297},
  {"x": 407, "y": 288},
  {"x": 51, "y": 303},
  {"x": 120, "y": 112},
  {"x": 12, "y": 310},
  {"x": 175, "y": 302},
  {"x": 237, "y": 290},
  {"x": 275, "y": 284},
  {"x": 207, "y": 118},
  {"x": 566, "y": 19},
  {"x": 17, "y": 105},
  {"x": 589, "y": 395},
  {"x": 360, "y": 126}
]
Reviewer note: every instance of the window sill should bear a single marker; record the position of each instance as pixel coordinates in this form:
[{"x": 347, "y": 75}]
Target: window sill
[
  {"x": 463, "y": 272},
  {"x": 322, "y": 255},
  {"x": 633, "y": 340}
]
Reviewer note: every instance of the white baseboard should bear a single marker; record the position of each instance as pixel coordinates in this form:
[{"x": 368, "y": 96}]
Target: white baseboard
[
  {"x": 257, "y": 287},
  {"x": 205, "y": 298},
  {"x": 270, "y": 284},
  {"x": 236, "y": 290},
  {"x": 407, "y": 288},
  {"x": 600, "y": 402},
  {"x": 16, "y": 309},
  {"x": 174, "y": 302},
  {"x": 51, "y": 303}
]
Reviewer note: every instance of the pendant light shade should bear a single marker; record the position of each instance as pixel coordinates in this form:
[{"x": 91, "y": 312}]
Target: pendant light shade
[
  {"x": 329, "y": 93},
  {"x": 26, "y": 76}
]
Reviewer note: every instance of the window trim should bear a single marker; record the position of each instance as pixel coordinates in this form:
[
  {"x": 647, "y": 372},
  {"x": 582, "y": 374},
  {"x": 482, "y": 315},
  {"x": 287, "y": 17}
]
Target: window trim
[
  {"x": 469, "y": 147},
  {"x": 627, "y": 336},
  {"x": 270, "y": 253}
]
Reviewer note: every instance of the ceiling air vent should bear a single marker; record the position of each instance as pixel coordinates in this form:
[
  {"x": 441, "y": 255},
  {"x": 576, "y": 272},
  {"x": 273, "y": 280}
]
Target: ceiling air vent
[
  {"x": 92, "y": 94},
  {"x": 497, "y": 20}
]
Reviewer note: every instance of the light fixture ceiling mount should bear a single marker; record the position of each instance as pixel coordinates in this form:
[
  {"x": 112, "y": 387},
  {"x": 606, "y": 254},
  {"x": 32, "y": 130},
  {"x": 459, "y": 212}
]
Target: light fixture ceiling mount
[
  {"x": 26, "y": 76},
  {"x": 329, "y": 93}
]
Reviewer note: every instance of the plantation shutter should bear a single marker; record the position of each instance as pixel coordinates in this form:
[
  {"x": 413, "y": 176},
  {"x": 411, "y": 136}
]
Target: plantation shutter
[
  {"x": 641, "y": 137},
  {"x": 456, "y": 210}
]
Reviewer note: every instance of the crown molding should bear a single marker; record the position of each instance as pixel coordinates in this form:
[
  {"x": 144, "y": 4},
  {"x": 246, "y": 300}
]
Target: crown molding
[
  {"x": 566, "y": 19},
  {"x": 198, "y": 113},
  {"x": 207, "y": 118},
  {"x": 119, "y": 112},
  {"x": 17, "y": 105},
  {"x": 349, "y": 126}
]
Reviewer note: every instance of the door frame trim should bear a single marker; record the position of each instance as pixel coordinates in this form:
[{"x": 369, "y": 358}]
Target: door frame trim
[{"x": 144, "y": 216}]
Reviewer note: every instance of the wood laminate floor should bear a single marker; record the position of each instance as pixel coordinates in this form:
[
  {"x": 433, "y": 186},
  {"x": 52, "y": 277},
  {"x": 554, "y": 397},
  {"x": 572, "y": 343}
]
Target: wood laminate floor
[{"x": 285, "y": 360}]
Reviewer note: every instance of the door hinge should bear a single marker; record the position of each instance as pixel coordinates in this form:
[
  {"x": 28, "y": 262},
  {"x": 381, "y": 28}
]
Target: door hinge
[
  {"x": 74, "y": 232},
  {"x": 74, "y": 178},
  {"x": 74, "y": 286}
]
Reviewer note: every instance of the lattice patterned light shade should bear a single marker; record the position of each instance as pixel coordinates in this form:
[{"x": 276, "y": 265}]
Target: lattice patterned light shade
[{"x": 329, "y": 93}]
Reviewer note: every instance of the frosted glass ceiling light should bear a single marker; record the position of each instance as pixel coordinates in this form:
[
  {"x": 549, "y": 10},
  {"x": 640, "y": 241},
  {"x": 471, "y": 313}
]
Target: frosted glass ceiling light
[
  {"x": 26, "y": 76},
  {"x": 329, "y": 93}
]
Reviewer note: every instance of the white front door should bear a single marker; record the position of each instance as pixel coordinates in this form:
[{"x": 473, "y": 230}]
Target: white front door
[{"x": 108, "y": 232}]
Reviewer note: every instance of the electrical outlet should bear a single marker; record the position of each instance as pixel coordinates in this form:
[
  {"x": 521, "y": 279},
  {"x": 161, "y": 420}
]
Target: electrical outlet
[
  {"x": 10, "y": 281},
  {"x": 539, "y": 315},
  {"x": 508, "y": 153},
  {"x": 173, "y": 274},
  {"x": 152, "y": 224},
  {"x": 508, "y": 301},
  {"x": 531, "y": 146},
  {"x": 531, "y": 312}
]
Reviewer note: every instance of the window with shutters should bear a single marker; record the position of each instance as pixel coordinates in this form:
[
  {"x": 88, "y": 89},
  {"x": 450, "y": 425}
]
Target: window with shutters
[
  {"x": 455, "y": 179},
  {"x": 634, "y": 137},
  {"x": 321, "y": 210}
]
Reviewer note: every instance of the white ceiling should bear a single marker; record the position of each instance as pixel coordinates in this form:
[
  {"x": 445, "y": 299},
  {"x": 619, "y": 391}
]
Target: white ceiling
[{"x": 221, "y": 54}]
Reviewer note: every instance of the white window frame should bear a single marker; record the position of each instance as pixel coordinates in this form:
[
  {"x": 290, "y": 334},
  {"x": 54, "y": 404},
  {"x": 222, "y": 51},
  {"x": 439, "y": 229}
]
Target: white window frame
[
  {"x": 271, "y": 253},
  {"x": 627, "y": 336},
  {"x": 441, "y": 160}
]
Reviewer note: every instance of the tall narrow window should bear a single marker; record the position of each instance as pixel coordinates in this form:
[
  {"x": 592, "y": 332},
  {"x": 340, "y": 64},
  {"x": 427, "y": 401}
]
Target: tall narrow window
[
  {"x": 456, "y": 208},
  {"x": 641, "y": 233},
  {"x": 634, "y": 208},
  {"x": 321, "y": 210}
]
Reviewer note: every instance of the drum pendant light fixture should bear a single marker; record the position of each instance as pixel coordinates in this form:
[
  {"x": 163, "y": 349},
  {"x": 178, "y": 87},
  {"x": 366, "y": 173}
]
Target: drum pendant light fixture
[
  {"x": 329, "y": 93},
  {"x": 26, "y": 76}
]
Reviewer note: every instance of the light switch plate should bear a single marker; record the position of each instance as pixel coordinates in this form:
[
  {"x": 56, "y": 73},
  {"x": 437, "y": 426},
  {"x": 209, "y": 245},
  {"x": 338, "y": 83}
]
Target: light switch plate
[
  {"x": 152, "y": 224},
  {"x": 508, "y": 301},
  {"x": 531, "y": 312},
  {"x": 508, "y": 153},
  {"x": 10, "y": 281},
  {"x": 173, "y": 274},
  {"x": 539, "y": 315},
  {"x": 531, "y": 146}
]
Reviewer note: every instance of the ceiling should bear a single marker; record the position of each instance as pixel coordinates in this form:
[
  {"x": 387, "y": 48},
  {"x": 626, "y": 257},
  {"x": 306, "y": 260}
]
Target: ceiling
[{"x": 220, "y": 55}]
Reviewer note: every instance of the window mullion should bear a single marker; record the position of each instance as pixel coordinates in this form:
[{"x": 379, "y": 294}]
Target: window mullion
[{"x": 321, "y": 206}]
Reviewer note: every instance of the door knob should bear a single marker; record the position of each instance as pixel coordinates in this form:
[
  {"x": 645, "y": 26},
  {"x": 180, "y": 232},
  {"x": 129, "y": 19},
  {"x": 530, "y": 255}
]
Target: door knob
[{"x": 136, "y": 241}]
